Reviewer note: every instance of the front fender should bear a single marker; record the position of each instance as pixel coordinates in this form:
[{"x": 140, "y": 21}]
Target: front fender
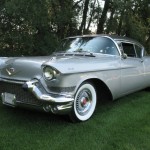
[{"x": 84, "y": 79}]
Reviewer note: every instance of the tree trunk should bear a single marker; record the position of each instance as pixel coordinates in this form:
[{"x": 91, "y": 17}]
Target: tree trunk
[
  {"x": 91, "y": 16},
  {"x": 110, "y": 21},
  {"x": 103, "y": 17},
  {"x": 83, "y": 23},
  {"x": 120, "y": 23}
]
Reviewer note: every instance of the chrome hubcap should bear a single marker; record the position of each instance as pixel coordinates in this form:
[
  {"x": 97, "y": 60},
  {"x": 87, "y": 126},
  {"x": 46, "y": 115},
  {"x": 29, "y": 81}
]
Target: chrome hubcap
[{"x": 84, "y": 102}]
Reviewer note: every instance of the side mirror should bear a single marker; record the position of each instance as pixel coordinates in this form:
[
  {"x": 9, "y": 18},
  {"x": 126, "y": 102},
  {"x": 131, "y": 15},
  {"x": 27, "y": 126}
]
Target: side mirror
[{"x": 124, "y": 56}]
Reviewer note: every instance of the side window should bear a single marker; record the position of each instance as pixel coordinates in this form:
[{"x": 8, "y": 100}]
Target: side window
[
  {"x": 145, "y": 53},
  {"x": 138, "y": 51},
  {"x": 129, "y": 49}
]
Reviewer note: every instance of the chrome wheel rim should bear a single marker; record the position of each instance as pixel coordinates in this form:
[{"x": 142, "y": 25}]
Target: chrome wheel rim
[{"x": 84, "y": 102}]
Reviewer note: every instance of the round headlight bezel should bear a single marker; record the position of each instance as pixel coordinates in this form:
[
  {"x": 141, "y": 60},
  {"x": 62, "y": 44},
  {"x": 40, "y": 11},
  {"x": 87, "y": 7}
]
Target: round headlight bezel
[{"x": 49, "y": 73}]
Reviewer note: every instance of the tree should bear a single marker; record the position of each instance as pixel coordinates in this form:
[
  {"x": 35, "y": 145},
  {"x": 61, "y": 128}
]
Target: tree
[
  {"x": 102, "y": 19},
  {"x": 35, "y": 27},
  {"x": 85, "y": 11},
  {"x": 92, "y": 12}
]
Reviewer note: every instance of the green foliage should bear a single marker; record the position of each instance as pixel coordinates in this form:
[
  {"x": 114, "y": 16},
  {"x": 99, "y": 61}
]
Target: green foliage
[
  {"x": 136, "y": 28},
  {"x": 130, "y": 18},
  {"x": 34, "y": 27}
]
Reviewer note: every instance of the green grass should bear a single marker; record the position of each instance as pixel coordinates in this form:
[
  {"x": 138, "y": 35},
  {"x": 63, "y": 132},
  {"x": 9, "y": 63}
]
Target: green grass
[{"x": 120, "y": 125}]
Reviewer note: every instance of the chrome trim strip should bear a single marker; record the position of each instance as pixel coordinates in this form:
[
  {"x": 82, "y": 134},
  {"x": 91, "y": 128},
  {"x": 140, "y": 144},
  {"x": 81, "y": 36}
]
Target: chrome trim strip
[{"x": 12, "y": 81}]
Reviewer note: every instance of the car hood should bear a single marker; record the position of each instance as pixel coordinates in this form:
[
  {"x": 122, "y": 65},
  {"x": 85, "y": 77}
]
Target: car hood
[
  {"x": 77, "y": 64},
  {"x": 2, "y": 61},
  {"x": 26, "y": 68},
  {"x": 22, "y": 68}
]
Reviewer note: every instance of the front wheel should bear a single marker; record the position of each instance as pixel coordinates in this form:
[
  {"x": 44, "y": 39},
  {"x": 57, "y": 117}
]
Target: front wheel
[{"x": 84, "y": 103}]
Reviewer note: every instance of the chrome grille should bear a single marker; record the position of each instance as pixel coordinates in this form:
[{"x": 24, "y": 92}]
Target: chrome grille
[
  {"x": 22, "y": 96},
  {"x": 61, "y": 89}
]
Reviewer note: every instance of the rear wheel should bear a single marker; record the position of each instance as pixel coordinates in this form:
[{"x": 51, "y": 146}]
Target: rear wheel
[{"x": 84, "y": 103}]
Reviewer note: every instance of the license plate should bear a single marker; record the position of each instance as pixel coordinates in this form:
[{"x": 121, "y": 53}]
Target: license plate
[{"x": 9, "y": 99}]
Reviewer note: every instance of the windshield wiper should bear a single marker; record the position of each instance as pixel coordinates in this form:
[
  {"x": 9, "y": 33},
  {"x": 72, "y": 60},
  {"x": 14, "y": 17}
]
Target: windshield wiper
[
  {"x": 76, "y": 52},
  {"x": 80, "y": 50}
]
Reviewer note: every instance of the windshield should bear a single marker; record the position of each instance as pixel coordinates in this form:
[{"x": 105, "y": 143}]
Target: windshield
[{"x": 101, "y": 45}]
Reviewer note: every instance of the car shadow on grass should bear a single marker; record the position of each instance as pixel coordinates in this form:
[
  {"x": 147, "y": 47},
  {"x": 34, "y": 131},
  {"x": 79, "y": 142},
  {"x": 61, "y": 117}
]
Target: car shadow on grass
[{"x": 28, "y": 115}]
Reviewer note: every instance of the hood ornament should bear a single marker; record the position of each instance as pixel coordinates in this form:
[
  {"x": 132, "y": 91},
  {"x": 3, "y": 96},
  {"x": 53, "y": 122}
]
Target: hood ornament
[{"x": 10, "y": 71}]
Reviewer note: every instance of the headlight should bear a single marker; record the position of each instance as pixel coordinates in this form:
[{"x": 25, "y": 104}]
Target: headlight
[{"x": 49, "y": 73}]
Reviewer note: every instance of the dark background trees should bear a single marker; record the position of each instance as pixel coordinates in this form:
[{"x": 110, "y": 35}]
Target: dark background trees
[{"x": 35, "y": 27}]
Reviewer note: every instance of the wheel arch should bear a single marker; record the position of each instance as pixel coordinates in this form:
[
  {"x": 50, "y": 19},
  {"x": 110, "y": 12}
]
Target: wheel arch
[{"x": 102, "y": 90}]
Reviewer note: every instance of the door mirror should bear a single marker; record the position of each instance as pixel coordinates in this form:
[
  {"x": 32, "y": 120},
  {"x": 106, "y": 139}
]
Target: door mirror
[{"x": 124, "y": 56}]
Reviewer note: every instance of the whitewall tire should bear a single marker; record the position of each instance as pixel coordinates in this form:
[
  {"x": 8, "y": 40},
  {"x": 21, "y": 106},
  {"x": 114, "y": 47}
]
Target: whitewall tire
[{"x": 84, "y": 103}]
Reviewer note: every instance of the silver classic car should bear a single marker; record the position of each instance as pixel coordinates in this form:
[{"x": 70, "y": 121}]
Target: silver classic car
[{"x": 84, "y": 70}]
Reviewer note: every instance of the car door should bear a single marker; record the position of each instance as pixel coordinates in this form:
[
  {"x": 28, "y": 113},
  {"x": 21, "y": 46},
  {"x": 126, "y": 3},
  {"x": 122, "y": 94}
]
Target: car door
[
  {"x": 132, "y": 69},
  {"x": 146, "y": 61}
]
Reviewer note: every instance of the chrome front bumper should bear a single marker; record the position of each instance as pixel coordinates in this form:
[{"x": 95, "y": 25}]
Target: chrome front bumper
[
  {"x": 42, "y": 95},
  {"x": 55, "y": 103}
]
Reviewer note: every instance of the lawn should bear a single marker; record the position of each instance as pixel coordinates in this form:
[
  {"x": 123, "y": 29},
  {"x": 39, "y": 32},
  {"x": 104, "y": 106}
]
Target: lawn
[{"x": 120, "y": 125}]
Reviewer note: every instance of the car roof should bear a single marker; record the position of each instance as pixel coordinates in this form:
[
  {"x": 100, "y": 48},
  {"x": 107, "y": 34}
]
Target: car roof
[{"x": 114, "y": 37}]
